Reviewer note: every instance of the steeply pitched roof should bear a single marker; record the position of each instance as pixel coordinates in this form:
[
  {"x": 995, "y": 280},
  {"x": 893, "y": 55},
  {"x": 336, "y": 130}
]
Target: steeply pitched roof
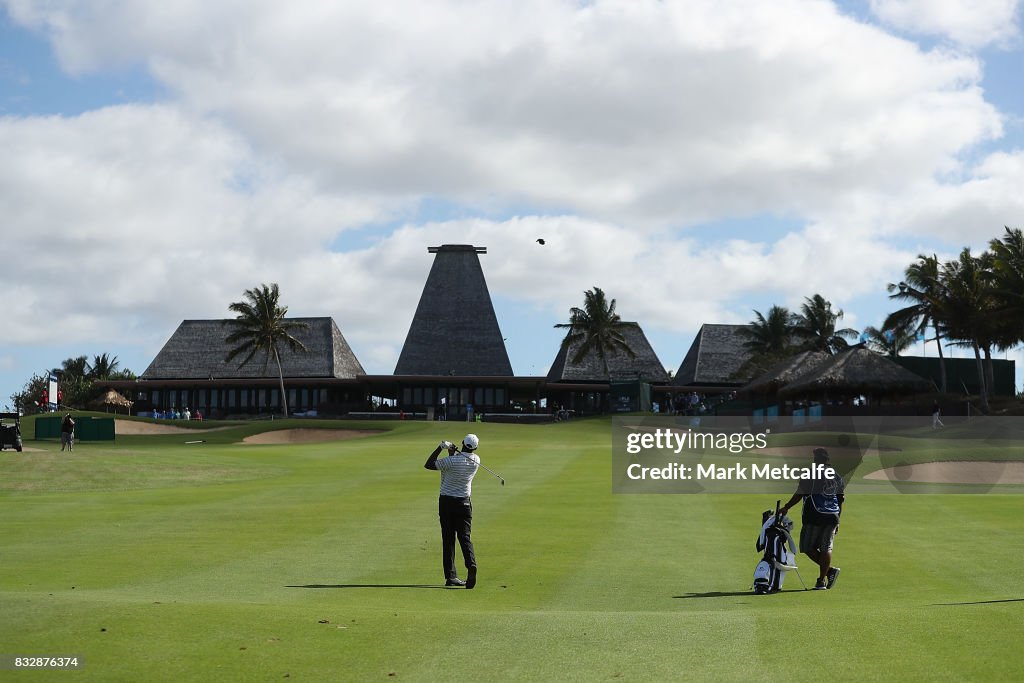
[
  {"x": 857, "y": 370},
  {"x": 716, "y": 354},
  {"x": 645, "y": 365},
  {"x": 454, "y": 330},
  {"x": 785, "y": 371},
  {"x": 197, "y": 349}
]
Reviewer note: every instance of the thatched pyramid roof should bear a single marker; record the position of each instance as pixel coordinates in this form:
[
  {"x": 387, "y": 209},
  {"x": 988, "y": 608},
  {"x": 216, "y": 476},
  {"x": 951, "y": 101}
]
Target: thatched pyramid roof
[
  {"x": 197, "y": 349},
  {"x": 857, "y": 371},
  {"x": 455, "y": 330},
  {"x": 717, "y": 353},
  {"x": 785, "y": 371},
  {"x": 644, "y": 366}
]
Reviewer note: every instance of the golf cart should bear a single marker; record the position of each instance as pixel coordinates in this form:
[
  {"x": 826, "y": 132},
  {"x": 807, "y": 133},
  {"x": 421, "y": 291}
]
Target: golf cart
[{"x": 10, "y": 431}]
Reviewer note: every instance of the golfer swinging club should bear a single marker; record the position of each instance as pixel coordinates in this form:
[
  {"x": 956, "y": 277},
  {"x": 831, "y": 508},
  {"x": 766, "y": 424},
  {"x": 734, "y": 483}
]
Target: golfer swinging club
[{"x": 454, "y": 506}]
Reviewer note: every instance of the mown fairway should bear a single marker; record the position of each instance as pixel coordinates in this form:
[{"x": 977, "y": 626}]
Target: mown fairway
[{"x": 156, "y": 560}]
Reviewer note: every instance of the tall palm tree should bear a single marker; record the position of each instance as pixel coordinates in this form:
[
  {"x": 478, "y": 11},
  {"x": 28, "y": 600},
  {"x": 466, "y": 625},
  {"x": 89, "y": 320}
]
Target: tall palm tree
[
  {"x": 966, "y": 309},
  {"x": 598, "y": 327},
  {"x": 816, "y": 326},
  {"x": 921, "y": 289},
  {"x": 260, "y": 327},
  {"x": 1008, "y": 285}
]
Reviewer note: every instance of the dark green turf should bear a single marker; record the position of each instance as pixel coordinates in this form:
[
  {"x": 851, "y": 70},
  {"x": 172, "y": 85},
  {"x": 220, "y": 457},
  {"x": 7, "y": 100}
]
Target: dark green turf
[{"x": 157, "y": 560}]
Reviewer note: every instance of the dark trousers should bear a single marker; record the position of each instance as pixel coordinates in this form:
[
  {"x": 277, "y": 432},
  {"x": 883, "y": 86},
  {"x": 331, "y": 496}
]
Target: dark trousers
[{"x": 456, "y": 515}]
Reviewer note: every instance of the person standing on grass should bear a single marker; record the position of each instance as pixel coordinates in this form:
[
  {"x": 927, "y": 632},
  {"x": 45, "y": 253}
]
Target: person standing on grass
[
  {"x": 936, "y": 416},
  {"x": 454, "y": 507},
  {"x": 823, "y": 504},
  {"x": 67, "y": 433}
]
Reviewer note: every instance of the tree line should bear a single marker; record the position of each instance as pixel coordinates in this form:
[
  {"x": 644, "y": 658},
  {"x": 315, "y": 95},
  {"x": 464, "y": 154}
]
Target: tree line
[
  {"x": 972, "y": 301},
  {"x": 80, "y": 382}
]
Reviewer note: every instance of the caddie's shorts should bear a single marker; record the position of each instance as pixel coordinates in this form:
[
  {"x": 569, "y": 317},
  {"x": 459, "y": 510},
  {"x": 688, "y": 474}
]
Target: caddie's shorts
[{"x": 817, "y": 537}]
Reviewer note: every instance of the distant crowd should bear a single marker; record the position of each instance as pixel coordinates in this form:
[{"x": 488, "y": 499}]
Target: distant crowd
[{"x": 175, "y": 414}]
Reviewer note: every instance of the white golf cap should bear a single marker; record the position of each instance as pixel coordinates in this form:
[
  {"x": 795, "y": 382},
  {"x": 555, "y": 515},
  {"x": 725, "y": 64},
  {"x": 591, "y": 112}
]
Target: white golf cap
[{"x": 471, "y": 442}]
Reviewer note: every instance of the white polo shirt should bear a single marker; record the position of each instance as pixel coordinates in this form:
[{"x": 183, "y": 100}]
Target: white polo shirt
[{"x": 457, "y": 472}]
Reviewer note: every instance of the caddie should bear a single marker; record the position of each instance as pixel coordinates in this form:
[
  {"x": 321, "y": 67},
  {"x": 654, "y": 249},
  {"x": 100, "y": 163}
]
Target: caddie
[{"x": 823, "y": 504}]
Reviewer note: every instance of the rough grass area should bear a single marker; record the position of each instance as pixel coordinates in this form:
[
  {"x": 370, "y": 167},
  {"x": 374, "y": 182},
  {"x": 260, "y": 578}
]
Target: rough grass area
[{"x": 152, "y": 559}]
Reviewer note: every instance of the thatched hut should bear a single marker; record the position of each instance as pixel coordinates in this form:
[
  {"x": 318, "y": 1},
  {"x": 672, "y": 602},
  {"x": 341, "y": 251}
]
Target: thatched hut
[
  {"x": 784, "y": 372},
  {"x": 111, "y": 399},
  {"x": 856, "y": 372}
]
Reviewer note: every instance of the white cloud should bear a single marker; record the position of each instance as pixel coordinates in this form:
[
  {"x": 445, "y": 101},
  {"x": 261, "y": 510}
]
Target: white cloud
[
  {"x": 971, "y": 23},
  {"x": 132, "y": 213},
  {"x": 637, "y": 112}
]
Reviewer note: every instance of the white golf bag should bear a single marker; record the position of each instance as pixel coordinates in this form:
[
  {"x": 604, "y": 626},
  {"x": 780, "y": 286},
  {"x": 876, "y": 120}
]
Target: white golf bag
[{"x": 779, "y": 556}]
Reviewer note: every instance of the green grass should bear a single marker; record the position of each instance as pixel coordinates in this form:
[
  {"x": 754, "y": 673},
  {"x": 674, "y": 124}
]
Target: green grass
[{"x": 157, "y": 560}]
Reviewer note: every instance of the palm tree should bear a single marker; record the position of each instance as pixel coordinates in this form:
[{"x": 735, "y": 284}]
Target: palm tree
[
  {"x": 768, "y": 338},
  {"x": 891, "y": 341},
  {"x": 1008, "y": 286},
  {"x": 260, "y": 327},
  {"x": 922, "y": 289},
  {"x": 966, "y": 308},
  {"x": 73, "y": 369},
  {"x": 816, "y": 326},
  {"x": 598, "y": 327},
  {"x": 103, "y": 366},
  {"x": 771, "y": 334}
]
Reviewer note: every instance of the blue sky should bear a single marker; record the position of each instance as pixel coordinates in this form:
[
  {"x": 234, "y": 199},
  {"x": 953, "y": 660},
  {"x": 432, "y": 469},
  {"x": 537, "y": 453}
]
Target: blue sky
[{"x": 696, "y": 161}]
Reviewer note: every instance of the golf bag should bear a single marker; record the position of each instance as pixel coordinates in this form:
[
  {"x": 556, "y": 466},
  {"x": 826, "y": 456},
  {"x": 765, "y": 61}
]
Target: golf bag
[{"x": 779, "y": 556}]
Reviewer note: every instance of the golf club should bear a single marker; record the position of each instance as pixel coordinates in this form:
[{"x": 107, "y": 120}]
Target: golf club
[
  {"x": 500, "y": 478},
  {"x": 494, "y": 473}
]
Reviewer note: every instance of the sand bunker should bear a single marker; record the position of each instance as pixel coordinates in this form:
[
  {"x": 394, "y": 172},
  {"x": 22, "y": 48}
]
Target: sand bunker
[
  {"x": 954, "y": 473},
  {"x": 135, "y": 427},
  {"x": 285, "y": 436},
  {"x": 834, "y": 451}
]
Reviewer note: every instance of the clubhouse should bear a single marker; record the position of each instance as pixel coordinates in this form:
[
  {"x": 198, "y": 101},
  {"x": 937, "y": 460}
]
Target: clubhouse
[{"x": 438, "y": 375}]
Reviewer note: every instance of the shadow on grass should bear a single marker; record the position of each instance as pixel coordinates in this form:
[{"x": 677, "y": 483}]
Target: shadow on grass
[
  {"x": 370, "y": 585},
  {"x": 979, "y": 602},
  {"x": 721, "y": 594}
]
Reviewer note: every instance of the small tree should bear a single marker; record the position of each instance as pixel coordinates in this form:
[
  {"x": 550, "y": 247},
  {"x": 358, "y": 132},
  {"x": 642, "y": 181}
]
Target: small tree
[{"x": 260, "y": 327}]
